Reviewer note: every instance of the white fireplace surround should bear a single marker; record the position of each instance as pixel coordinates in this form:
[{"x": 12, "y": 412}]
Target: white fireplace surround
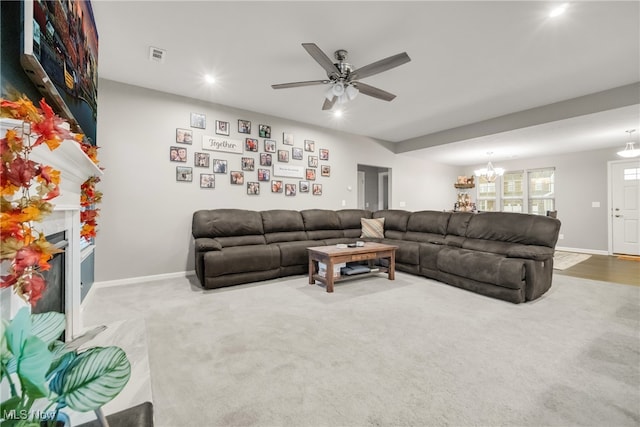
[{"x": 75, "y": 168}]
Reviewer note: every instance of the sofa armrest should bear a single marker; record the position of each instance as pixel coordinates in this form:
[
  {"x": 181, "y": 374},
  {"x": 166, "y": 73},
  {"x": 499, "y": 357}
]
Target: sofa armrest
[
  {"x": 536, "y": 253},
  {"x": 205, "y": 244}
]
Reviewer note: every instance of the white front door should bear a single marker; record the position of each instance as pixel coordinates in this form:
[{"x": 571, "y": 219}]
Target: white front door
[{"x": 625, "y": 207}]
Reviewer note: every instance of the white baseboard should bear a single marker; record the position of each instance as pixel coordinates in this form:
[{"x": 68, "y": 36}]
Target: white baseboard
[
  {"x": 582, "y": 251},
  {"x": 142, "y": 279}
]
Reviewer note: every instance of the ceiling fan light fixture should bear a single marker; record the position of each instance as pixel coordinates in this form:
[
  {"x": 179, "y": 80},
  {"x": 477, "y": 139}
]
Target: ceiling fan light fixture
[
  {"x": 338, "y": 89},
  {"x": 352, "y": 92},
  {"x": 629, "y": 150}
]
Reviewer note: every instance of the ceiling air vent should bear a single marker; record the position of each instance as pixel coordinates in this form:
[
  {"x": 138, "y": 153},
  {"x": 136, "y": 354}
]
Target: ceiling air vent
[{"x": 157, "y": 54}]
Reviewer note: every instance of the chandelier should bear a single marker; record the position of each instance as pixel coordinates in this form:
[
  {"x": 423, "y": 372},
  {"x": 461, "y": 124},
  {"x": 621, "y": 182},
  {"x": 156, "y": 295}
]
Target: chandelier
[
  {"x": 489, "y": 173},
  {"x": 629, "y": 150}
]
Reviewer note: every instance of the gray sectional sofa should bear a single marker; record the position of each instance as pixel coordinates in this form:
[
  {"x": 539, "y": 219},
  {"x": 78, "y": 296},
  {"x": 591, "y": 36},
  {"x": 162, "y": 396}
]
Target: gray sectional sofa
[{"x": 502, "y": 255}]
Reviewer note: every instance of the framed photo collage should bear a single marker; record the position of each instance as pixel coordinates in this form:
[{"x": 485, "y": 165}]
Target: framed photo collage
[{"x": 236, "y": 158}]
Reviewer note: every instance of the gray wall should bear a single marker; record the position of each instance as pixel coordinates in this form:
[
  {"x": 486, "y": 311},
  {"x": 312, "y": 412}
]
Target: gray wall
[
  {"x": 145, "y": 221},
  {"x": 581, "y": 178}
]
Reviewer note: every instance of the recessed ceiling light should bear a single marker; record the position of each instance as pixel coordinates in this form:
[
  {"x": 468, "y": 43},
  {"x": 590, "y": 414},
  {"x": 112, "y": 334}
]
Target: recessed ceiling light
[
  {"x": 558, "y": 10},
  {"x": 209, "y": 79},
  {"x": 337, "y": 113}
]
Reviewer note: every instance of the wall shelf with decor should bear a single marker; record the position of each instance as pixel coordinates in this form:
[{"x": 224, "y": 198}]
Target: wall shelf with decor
[{"x": 464, "y": 202}]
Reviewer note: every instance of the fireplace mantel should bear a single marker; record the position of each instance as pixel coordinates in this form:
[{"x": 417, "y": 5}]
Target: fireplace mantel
[{"x": 75, "y": 168}]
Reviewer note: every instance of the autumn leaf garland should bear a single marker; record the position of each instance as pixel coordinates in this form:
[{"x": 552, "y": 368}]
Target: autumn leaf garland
[
  {"x": 89, "y": 197},
  {"x": 23, "y": 246}
]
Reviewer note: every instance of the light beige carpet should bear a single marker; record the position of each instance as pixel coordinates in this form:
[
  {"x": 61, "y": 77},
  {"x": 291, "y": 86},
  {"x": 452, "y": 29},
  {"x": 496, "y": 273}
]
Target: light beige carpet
[
  {"x": 563, "y": 260},
  {"x": 409, "y": 352}
]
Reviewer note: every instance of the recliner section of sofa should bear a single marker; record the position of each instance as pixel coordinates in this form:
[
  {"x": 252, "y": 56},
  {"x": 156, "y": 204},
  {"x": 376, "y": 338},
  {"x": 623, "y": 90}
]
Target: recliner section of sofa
[{"x": 502, "y": 255}]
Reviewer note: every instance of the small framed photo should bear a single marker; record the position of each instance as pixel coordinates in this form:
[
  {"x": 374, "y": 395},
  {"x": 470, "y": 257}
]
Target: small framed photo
[
  {"x": 296, "y": 153},
  {"x": 198, "y": 120},
  {"x": 178, "y": 154},
  {"x": 244, "y": 126},
  {"x": 184, "y": 136},
  {"x": 283, "y": 156},
  {"x": 276, "y": 186},
  {"x": 222, "y": 128},
  {"x": 317, "y": 189},
  {"x": 207, "y": 180},
  {"x": 265, "y": 159},
  {"x": 248, "y": 164},
  {"x": 287, "y": 138},
  {"x": 309, "y": 145},
  {"x": 264, "y": 174},
  {"x": 201, "y": 160},
  {"x": 184, "y": 173},
  {"x": 325, "y": 170},
  {"x": 324, "y": 154},
  {"x": 253, "y": 188},
  {"x": 219, "y": 166},
  {"x": 264, "y": 131},
  {"x": 270, "y": 145},
  {"x": 313, "y": 161},
  {"x": 304, "y": 186},
  {"x": 250, "y": 144},
  {"x": 237, "y": 177},
  {"x": 311, "y": 175},
  {"x": 289, "y": 189}
]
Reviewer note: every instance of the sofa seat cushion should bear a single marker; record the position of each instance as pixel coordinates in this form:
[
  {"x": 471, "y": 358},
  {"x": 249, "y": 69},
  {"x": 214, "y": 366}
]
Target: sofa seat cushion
[
  {"x": 415, "y": 236},
  {"x": 482, "y": 267},
  {"x": 226, "y": 242},
  {"x": 241, "y": 259},
  {"x": 295, "y": 253},
  {"x": 407, "y": 252}
]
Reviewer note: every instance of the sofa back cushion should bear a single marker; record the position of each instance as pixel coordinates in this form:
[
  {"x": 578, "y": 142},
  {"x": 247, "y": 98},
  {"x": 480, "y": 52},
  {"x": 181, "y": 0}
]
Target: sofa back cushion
[
  {"x": 321, "y": 224},
  {"x": 514, "y": 228},
  {"x": 230, "y": 227},
  {"x": 350, "y": 221},
  {"x": 429, "y": 222},
  {"x": 395, "y": 222},
  {"x": 427, "y": 226},
  {"x": 282, "y": 225}
]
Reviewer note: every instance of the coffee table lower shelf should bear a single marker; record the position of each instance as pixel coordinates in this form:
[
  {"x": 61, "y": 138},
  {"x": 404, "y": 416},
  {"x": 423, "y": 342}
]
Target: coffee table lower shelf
[
  {"x": 331, "y": 255},
  {"x": 343, "y": 277}
]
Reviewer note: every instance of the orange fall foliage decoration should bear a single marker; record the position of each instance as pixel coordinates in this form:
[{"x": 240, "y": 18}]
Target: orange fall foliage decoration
[{"x": 23, "y": 246}]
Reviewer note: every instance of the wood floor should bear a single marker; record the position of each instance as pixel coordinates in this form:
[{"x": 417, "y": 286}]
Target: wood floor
[{"x": 625, "y": 270}]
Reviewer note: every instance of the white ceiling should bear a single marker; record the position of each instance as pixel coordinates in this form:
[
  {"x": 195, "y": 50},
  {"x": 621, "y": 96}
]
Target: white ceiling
[{"x": 471, "y": 61}]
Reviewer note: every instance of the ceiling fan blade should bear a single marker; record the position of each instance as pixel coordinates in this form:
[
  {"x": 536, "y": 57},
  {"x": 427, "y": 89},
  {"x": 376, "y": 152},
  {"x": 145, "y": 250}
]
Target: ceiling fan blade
[
  {"x": 382, "y": 65},
  {"x": 328, "y": 105},
  {"x": 374, "y": 91},
  {"x": 321, "y": 58},
  {"x": 299, "y": 84}
]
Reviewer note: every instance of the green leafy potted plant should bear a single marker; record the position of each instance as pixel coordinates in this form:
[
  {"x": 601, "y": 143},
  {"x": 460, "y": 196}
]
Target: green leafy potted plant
[{"x": 45, "y": 375}]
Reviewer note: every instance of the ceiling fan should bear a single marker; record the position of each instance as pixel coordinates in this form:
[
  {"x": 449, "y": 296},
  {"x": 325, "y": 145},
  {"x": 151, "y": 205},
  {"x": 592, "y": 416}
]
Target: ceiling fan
[{"x": 344, "y": 79}]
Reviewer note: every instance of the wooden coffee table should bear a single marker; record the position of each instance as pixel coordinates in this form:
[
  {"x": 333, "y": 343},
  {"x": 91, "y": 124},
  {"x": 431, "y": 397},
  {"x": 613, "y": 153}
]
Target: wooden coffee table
[{"x": 332, "y": 255}]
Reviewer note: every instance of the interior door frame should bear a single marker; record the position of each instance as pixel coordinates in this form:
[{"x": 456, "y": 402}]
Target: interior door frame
[
  {"x": 610, "y": 200},
  {"x": 381, "y": 189}
]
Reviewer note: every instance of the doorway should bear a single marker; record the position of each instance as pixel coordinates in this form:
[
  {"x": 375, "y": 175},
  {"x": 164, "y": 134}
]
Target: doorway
[
  {"x": 374, "y": 187},
  {"x": 624, "y": 225}
]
